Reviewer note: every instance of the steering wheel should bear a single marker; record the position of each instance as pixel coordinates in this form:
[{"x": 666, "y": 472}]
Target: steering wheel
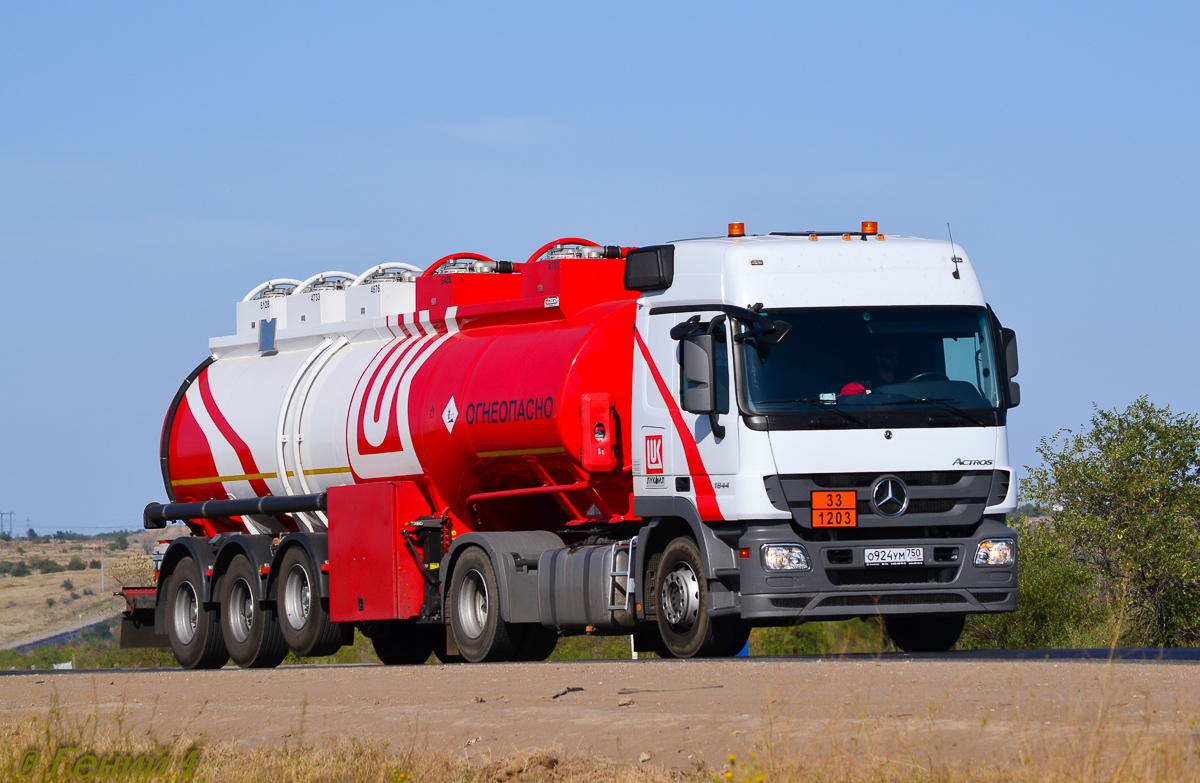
[{"x": 932, "y": 375}]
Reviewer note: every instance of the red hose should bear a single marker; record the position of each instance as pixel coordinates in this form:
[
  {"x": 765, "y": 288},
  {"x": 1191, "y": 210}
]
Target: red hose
[
  {"x": 563, "y": 241},
  {"x": 452, "y": 257}
]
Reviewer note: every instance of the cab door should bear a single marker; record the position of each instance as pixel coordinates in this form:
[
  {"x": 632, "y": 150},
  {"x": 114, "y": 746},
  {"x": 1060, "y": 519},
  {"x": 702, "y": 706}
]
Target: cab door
[{"x": 676, "y": 452}]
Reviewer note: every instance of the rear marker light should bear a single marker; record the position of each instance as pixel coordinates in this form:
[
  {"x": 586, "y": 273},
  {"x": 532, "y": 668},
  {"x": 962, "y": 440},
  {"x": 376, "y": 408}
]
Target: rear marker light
[
  {"x": 208, "y": 571},
  {"x": 263, "y": 570},
  {"x": 744, "y": 553}
]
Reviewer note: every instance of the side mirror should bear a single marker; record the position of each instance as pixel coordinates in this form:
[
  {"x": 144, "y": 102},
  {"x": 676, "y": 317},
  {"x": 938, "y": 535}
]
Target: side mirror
[
  {"x": 699, "y": 371},
  {"x": 1014, "y": 394},
  {"x": 1010, "y": 351}
]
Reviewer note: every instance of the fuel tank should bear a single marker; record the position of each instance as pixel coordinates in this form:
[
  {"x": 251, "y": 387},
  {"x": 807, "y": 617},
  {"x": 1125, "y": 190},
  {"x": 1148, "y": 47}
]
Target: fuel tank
[{"x": 508, "y": 403}]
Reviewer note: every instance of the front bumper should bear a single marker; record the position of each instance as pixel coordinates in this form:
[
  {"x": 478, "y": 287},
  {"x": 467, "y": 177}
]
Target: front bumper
[{"x": 840, "y": 585}]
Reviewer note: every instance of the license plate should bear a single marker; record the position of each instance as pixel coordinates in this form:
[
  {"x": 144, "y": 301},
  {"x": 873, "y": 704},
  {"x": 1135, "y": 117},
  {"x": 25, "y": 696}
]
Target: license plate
[
  {"x": 901, "y": 555},
  {"x": 834, "y": 509}
]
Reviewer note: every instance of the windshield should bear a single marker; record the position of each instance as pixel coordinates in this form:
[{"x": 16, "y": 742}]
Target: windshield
[{"x": 884, "y": 359}]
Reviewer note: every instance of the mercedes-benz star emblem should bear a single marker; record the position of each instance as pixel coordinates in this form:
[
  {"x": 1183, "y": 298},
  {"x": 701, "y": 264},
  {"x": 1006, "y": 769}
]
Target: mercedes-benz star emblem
[{"x": 889, "y": 497}]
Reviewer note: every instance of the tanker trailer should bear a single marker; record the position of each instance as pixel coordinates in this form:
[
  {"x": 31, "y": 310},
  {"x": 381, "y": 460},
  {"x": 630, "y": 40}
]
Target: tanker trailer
[{"x": 676, "y": 442}]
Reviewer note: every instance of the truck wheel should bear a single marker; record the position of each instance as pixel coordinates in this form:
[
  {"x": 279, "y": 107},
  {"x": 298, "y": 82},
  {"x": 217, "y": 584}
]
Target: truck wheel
[
  {"x": 251, "y": 630},
  {"x": 683, "y": 621},
  {"x": 404, "y": 643},
  {"x": 479, "y": 631},
  {"x": 194, "y": 632},
  {"x": 925, "y": 632},
  {"x": 537, "y": 643},
  {"x": 731, "y": 636},
  {"x": 303, "y": 614}
]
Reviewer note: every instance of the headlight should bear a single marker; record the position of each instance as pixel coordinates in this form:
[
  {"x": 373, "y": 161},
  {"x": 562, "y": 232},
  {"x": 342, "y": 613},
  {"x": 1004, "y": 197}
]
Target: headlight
[
  {"x": 996, "y": 552},
  {"x": 785, "y": 557}
]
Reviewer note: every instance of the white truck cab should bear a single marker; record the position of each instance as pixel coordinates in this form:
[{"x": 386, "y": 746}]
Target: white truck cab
[{"x": 828, "y": 412}]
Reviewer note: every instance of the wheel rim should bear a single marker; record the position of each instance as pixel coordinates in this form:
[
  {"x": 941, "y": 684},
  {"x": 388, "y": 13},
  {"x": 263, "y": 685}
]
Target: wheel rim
[
  {"x": 297, "y": 597},
  {"x": 473, "y": 604},
  {"x": 241, "y": 610},
  {"x": 186, "y": 613},
  {"x": 681, "y": 598}
]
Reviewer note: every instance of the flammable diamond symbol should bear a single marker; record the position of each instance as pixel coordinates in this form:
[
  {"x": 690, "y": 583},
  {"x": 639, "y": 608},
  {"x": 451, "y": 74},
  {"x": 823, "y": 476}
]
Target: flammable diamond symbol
[{"x": 450, "y": 415}]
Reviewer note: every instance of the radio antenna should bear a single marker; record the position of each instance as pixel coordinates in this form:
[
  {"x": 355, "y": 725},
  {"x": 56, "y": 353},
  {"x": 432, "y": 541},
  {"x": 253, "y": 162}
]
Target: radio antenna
[{"x": 953, "y": 257}]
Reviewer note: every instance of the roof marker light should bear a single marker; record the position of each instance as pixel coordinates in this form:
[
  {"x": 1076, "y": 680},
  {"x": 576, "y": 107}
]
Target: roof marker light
[
  {"x": 737, "y": 229},
  {"x": 846, "y": 236},
  {"x": 870, "y": 227},
  {"x": 812, "y": 237}
]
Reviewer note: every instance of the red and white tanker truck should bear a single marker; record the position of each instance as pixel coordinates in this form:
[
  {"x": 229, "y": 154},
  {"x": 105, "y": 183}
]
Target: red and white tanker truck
[{"x": 677, "y": 442}]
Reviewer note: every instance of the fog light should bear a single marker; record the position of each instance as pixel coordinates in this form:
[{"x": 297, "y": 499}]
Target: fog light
[
  {"x": 996, "y": 552},
  {"x": 785, "y": 557}
]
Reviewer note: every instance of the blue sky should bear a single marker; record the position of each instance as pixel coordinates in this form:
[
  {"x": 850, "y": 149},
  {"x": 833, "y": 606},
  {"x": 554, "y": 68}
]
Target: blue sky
[{"x": 159, "y": 160}]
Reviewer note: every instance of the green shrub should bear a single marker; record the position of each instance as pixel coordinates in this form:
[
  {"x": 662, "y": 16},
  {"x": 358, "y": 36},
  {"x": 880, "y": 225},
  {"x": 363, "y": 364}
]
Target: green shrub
[
  {"x": 76, "y": 564},
  {"x": 821, "y": 638},
  {"x": 1125, "y": 498},
  {"x": 1057, "y": 600},
  {"x": 45, "y": 565},
  {"x": 49, "y": 603},
  {"x": 94, "y": 564},
  {"x": 67, "y": 584},
  {"x": 18, "y": 568}
]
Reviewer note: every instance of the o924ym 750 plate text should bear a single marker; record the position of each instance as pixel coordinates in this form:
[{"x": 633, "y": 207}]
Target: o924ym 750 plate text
[{"x": 899, "y": 555}]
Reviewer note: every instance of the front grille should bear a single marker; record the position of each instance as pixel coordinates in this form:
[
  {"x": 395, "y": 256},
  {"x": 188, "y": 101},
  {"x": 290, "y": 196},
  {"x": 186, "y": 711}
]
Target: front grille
[
  {"x": 990, "y": 598},
  {"x": 917, "y": 506},
  {"x": 839, "y": 556},
  {"x": 892, "y": 599},
  {"x": 891, "y": 575},
  {"x": 790, "y": 603},
  {"x": 924, "y": 478}
]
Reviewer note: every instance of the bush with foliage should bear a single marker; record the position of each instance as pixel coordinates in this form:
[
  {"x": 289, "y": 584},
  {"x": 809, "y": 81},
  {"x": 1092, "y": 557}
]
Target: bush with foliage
[
  {"x": 45, "y": 565},
  {"x": 1126, "y": 497},
  {"x": 1118, "y": 561},
  {"x": 77, "y": 564},
  {"x": 19, "y": 568},
  {"x": 94, "y": 564}
]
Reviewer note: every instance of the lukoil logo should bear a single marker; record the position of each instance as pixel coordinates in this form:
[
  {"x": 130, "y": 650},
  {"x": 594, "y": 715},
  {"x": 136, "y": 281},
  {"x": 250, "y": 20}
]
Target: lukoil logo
[{"x": 654, "y": 455}]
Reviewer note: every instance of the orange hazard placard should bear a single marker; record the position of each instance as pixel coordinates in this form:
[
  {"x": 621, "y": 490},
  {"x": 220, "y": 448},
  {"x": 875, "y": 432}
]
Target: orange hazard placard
[{"x": 834, "y": 509}]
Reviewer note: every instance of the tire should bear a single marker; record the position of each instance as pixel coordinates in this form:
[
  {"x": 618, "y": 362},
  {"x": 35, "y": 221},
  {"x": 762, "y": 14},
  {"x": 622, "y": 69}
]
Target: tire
[
  {"x": 404, "y": 643},
  {"x": 731, "y": 636},
  {"x": 250, "y": 627},
  {"x": 474, "y": 606},
  {"x": 925, "y": 632},
  {"x": 303, "y": 614},
  {"x": 194, "y": 632},
  {"x": 682, "y": 608},
  {"x": 537, "y": 643}
]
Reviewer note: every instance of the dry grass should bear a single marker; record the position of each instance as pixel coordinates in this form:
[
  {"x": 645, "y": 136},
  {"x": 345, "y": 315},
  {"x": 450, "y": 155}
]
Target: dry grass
[
  {"x": 853, "y": 746},
  {"x": 24, "y": 612}
]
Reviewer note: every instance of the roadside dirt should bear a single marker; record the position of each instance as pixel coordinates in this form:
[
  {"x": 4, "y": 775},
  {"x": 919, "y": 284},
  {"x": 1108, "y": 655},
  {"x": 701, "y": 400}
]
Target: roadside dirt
[{"x": 677, "y": 712}]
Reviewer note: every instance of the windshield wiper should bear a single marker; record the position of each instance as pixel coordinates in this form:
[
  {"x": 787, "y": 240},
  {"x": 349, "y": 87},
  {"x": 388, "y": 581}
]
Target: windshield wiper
[
  {"x": 938, "y": 402},
  {"x": 823, "y": 405}
]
